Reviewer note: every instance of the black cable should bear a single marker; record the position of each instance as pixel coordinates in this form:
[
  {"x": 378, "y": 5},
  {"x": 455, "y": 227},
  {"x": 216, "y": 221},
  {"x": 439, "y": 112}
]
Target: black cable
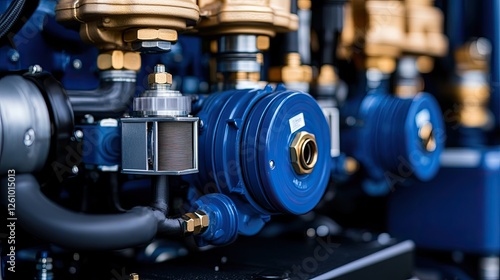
[
  {"x": 115, "y": 192},
  {"x": 17, "y": 10},
  {"x": 47, "y": 220}
]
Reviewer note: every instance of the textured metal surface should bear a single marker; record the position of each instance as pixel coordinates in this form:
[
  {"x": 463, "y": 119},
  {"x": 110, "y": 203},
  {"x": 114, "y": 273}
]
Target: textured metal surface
[
  {"x": 160, "y": 145},
  {"x": 175, "y": 146}
]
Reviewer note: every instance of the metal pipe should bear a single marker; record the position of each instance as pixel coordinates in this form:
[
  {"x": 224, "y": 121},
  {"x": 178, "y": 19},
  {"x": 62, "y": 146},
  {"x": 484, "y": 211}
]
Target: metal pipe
[
  {"x": 111, "y": 99},
  {"x": 160, "y": 190}
]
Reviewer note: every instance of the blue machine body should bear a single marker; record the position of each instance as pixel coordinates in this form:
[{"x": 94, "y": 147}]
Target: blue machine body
[
  {"x": 101, "y": 144},
  {"x": 244, "y": 153},
  {"x": 385, "y": 139},
  {"x": 458, "y": 210},
  {"x": 45, "y": 41}
]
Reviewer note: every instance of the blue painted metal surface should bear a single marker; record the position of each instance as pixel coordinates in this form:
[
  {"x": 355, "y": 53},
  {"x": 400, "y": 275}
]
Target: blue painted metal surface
[
  {"x": 101, "y": 145},
  {"x": 57, "y": 49},
  {"x": 244, "y": 153},
  {"x": 458, "y": 210},
  {"x": 223, "y": 217}
]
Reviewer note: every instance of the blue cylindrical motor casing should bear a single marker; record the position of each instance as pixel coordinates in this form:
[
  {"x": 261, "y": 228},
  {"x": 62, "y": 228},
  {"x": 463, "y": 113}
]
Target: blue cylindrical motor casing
[
  {"x": 386, "y": 141},
  {"x": 244, "y": 152}
]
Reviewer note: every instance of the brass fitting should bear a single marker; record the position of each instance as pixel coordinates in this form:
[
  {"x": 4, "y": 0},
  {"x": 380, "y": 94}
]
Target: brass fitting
[
  {"x": 118, "y": 60},
  {"x": 292, "y": 71},
  {"x": 223, "y": 17},
  {"x": 150, "y": 40},
  {"x": 327, "y": 75},
  {"x": 426, "y": 135},
  {"x": 304, "y": 152},
  {"x": 195, "y": 223},
  {"x": 424, "y": 29},
  {"x": 114, "y": 24},
  {"x": 160, "y": 78},
  {"x": 385, "y": 64},
  {"x": 473, "y": 99},
  {"x": 474, "y": 55},
  {"x": 262, "y": 43},
  {"x": 351, "y": 165}
]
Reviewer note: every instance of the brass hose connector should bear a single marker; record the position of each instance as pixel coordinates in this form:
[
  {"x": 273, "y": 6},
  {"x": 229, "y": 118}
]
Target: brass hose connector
[{"x": 195, "y": 223}]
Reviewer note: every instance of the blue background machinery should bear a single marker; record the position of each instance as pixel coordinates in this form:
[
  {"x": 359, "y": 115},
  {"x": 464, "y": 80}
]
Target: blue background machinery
[{"x": 385, "y": 138}]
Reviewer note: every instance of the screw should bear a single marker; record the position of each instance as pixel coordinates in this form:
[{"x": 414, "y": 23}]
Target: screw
[
  {"x": 133, "y": 276},
  {"x": 89, "y": 118},
  {"x": 29, "y": 137},
  {"x": 77, "y": 64},
  {"x": 34, "y": 69},
  {"x": 74, "y": 169},
  {"x": 159, "y": 68},
  {"x": 14, "y": 56},
  {"x": 79, "y": 134},
  {"x": 271, "y": 164}
]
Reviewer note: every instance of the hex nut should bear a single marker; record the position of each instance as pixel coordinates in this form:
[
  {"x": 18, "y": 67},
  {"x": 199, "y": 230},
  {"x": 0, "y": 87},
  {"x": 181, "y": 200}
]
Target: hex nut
[
  {"x": 204, "y": 219},
  {"x": 148, "y": 34},
  {"x": 304, "y": 152},
  {"x": 263, "y": 43},
  {"x": 160, "y": 78},
  {"x": 188, "y": 223},
  {"x": 118, "y": 60}
]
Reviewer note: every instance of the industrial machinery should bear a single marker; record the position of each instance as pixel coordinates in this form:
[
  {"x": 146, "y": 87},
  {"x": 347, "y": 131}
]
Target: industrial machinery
[{"x": 238, "y": 139}]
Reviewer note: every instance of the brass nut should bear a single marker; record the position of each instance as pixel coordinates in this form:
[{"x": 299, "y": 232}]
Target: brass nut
[
  {"x": 195, "y": 223},
  {"x": 119, "y": 60},
  {"x": 293, "y": 71},
  {"x": 263, "y": 43},
  {"x": 304, "y": 152},
  {"x": 160, "y": 78},
  {"x": 351, "y": 165},
  {"x": 327, "y": 75},
  {"x": 204, "y": 220},
  {"x": 148, "y": 34}
]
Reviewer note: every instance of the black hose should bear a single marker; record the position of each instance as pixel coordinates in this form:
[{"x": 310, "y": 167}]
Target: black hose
[
  {"x": 17, "y": 10},
  {"x": 160, "y": 192},
  {"x": 45, "y": 219}
]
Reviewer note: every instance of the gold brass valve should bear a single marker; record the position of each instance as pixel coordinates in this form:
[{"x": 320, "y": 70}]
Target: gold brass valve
[
  {"x": 141, "y": 25},
  {"x": 293, "y": 71},
  {"x": 304, "y": 152},
  {"x": 472, "y": 92},
  {"x": 223, "y": 17},
  {"x": 377, "y": 32}
]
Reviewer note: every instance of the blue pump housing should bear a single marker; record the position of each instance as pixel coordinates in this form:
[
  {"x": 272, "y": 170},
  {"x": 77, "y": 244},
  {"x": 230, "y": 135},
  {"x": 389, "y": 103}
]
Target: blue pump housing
[
  {"x": 386, "y": 139},
  {"x": 244, "y": 153}
]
